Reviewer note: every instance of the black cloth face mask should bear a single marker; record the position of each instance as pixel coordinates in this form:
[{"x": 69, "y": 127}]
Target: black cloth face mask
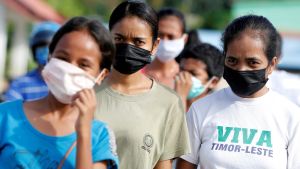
[
  {"x": 245, "y": 83},
  {"x": 130, "y": 59}
]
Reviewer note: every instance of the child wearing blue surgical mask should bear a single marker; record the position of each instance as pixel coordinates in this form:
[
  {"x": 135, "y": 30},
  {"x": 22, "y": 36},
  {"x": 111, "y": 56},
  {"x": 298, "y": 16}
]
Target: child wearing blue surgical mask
[
  {"x": 58, "y": 131},
  {"x": 31, "y": 86},
  {"x": 201, "y": 69}
]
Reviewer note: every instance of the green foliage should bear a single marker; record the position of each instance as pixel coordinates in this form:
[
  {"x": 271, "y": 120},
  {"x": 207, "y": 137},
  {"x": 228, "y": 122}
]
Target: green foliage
[{"x": 199, "y": 13}]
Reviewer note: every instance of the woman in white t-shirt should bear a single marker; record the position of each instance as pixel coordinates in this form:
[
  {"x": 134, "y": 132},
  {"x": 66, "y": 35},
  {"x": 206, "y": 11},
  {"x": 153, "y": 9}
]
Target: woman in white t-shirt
[{"x": 247, "y": 125}]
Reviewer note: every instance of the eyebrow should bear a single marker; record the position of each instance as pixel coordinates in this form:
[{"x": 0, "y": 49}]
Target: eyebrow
[
  {"x": 63, "y": 51},
  {"x": 136, "y": 38},
  {"x": 253, "y": 59}
]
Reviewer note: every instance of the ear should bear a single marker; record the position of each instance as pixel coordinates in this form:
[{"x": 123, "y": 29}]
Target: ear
[
  {"x": 214, "y": 82},
  {"x": 102, "y": 76},
  {"x": 155, "y": 46},
  {"x": 185, "y": 37},
  {"x": 272, "y": 65}
]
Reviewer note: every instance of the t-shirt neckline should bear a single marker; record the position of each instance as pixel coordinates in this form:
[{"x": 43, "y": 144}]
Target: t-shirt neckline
[
  {"x": 249, "y": 101},
  {"x": 35, "y": 131},
  {"x": 123, "y": 96}
]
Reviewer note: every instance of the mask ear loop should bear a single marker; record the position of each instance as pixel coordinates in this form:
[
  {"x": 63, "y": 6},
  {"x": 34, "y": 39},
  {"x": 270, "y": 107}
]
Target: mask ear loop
[
  {"x": 99, "y": 76},
  {"x": 209, "y": 82}
]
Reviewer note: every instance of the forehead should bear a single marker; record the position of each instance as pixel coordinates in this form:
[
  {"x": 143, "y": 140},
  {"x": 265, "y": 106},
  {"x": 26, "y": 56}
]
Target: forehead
[
  {"x": 132, "y": 26},
  {"x": 192, "y": 63},
  {"x": 170, "y": 24},
  {"x": 79, "y": 43},
  {"x": 247, "y": 44}
]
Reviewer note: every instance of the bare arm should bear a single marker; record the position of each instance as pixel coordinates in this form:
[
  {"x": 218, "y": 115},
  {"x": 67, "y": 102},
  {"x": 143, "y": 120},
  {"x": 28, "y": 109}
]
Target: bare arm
[
  {"x": 183, "y": 84},
  {"x": 182, "y": 164},
  {"x": 86, "y": 104},
  {"x": 166, "y": 164}
]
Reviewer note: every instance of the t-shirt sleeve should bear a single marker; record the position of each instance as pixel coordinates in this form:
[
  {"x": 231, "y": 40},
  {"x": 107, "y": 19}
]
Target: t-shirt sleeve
[
  {"x": 105, "y": 149},
  {"x": 176, "y": 141},
  {"x": 194, "y": 137},
  {"x": 293, "y": 145}
]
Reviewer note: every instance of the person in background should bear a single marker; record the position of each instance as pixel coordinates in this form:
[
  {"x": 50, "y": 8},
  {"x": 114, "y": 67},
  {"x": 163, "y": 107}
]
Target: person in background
[
  {"x": 193, "y": 38},
  {"x": 171, "y": 27},
  {"x": 31, "y": 86},
  {"x": 283, "y": 82},
  {"x": 246, "y": 125},
  {"x": 201, "y": 69},
  {"x": 58, "y": 131},
  {"x": 147, "y": 117}
]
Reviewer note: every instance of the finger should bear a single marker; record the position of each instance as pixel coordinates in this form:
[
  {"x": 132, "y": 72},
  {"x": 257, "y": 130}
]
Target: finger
[
  {"x": 181, "y": 77},
  {"x": 83, "y": 96},
  {"x": 80, "y": 105}
]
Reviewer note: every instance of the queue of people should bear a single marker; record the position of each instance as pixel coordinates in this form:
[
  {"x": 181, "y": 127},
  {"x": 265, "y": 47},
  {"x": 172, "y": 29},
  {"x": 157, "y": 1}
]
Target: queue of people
[{"x": 142, "y": 95}]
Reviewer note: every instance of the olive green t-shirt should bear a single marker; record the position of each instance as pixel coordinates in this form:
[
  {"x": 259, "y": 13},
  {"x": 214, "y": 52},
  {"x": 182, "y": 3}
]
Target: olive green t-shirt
[{"x": 149, "y": 127}]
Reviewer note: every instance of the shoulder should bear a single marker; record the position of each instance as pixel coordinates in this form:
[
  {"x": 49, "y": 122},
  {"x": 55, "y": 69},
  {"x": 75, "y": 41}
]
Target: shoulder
[
  {"x": 165, "y": 92},
  {"x": 26, "y": 79},
  {"x": 217, "y": 97},
  {"x": 10, "y": 108},
  {"x": 9, "y": 105},
  {"x": 279, "y": 100},
  {"x": 101, "y": 129}
]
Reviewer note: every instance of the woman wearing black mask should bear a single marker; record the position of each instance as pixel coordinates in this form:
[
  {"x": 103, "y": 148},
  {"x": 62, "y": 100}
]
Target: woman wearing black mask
[
  {"x": 148, "y": 119},
  {"x": 247, "y": 125}
]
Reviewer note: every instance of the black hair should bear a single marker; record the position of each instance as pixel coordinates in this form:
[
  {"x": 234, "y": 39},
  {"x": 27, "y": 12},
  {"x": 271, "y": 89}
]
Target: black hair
[
  {"x": 278, "y": 45},
  {"x": 168, "y": 11},
  {"x": 101, "y": 35},
  {"x": 263, "y": 28},
  {"x": 193, "y": 38},
  {"x": 209, "y": 54},
  {"x": 135, "y": 8}
]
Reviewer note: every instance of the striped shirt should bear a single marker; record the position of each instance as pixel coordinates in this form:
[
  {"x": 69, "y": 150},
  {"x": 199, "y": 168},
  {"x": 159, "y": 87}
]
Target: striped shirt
[{"x": 30, "y": 86}]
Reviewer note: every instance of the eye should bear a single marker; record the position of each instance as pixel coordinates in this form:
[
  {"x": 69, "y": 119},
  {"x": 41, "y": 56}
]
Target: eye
[
  {"x": 84, "y": 65},
  {"x": 139, "y": 42},
  {"x": 231, "y": 61},
  {"x": 64, "y": 58},
  {"x": 253, "y": 62},
  {"x": 118, "y": 39}
]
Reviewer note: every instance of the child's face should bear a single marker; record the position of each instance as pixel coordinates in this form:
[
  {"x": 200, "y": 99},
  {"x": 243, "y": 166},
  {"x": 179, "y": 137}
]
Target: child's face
[
  {"x": 196, "y": 67},
  {"x": 80, "y": 49}
]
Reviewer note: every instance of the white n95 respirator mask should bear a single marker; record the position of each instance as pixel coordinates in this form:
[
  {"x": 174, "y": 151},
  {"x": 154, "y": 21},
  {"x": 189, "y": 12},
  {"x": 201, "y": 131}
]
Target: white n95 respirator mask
[{"x": 64, "y": 80}]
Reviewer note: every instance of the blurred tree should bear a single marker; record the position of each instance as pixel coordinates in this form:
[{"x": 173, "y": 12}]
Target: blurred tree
[{"x": 213, "y": 14}]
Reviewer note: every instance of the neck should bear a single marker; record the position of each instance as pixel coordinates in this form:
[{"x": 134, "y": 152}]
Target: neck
[
  {"x": 116, "y": 77},
  {"x": 168, "y": 68},
  {"x": 129, "y": 84},
  {"x": 164, "y": 65},
  {"x": 57, "y": 108}
]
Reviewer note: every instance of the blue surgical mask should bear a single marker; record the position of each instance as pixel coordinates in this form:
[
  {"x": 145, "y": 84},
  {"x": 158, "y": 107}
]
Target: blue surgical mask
[
  {"x": 197, "y": 88},
  {"x": 41, "y": 55}
]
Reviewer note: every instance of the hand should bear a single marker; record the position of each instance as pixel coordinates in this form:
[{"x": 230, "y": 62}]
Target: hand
[
  {"x": 183, "y": 84},
  {"x": 86, "y": 104}
]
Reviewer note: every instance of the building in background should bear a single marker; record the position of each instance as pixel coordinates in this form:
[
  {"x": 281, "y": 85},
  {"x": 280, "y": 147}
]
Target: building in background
[{"x": 20, "y": 14}]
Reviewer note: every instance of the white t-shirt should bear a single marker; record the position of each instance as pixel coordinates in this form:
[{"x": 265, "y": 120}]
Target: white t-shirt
[
  {"x": 287, "y": 84},
  {"x": 230, "y": 132}
]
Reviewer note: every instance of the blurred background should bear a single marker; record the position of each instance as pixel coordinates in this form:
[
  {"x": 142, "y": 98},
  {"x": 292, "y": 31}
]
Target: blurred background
[{"x": 209, "y": 17}]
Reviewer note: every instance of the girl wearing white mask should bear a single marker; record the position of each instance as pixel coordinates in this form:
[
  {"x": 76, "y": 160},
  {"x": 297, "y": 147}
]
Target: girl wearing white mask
[
  {"x": 201, "y": 69},
  {"x": 171, "y": 28},
  {"x": 58, "y": 131}
]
